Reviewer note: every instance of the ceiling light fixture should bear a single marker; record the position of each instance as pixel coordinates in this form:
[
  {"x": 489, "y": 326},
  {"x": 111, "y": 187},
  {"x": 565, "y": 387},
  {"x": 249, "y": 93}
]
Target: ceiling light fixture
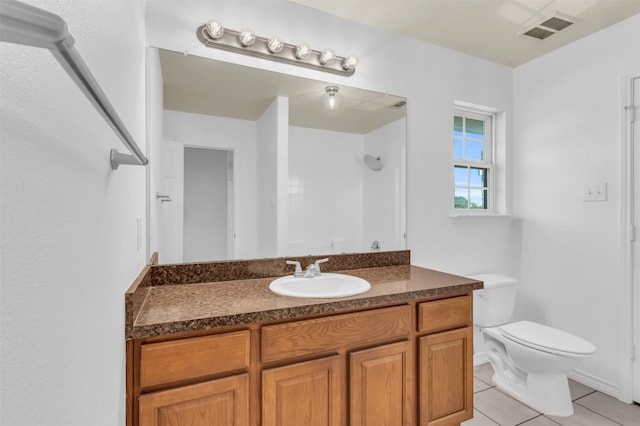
[
  {"x": 214, "y": 34},
  {"x": 332, "y": 100}
]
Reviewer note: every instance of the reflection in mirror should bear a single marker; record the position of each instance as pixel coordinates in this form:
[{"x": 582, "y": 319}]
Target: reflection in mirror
[{"x": 256, "y": 165}]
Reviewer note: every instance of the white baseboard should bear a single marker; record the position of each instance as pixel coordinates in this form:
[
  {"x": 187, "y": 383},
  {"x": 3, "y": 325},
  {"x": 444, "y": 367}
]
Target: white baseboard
[
  {"x": 480, "y": 358},
  {"x": 596, "y": 383}
]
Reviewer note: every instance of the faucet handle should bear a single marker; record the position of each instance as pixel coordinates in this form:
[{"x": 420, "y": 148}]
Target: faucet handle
[
  {"x": 317, "y": 263},
  {"x": 298, "y": 272}
]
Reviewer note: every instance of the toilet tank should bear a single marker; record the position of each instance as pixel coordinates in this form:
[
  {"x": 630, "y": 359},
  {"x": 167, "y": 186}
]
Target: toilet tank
[{"x": 493, "y": 305}]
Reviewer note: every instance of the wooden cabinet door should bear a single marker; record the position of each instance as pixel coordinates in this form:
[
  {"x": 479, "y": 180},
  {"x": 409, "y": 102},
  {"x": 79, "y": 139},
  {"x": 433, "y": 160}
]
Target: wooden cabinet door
[
  {"x": 307, "y": 393},
  {"x": 381, "y": 386},
  {"x": 446, "y": 377},
  {"x": 221, "y": 402}
]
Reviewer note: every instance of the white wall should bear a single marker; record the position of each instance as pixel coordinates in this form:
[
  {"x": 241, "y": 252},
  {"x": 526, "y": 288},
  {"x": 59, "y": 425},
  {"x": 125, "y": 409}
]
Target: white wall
[
  {"x": 383, "y": 201},
  {"x": 155, "y": 108},
  {"x": 326, "y": 191},
  {"x": 68, "y": 241},
  {"x": 568, "y": 133},
  {"x": 225, "y": 133},
  {"x": 272, "y": 172}
]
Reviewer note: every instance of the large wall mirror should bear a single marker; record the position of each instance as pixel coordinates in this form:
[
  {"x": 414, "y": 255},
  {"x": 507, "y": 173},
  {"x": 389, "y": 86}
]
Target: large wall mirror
[{"x": 247, "y": 163}]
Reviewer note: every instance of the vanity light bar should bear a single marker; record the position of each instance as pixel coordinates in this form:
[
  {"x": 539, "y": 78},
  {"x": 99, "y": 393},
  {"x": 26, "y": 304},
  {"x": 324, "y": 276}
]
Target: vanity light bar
[{"x": 212, "y": 34}]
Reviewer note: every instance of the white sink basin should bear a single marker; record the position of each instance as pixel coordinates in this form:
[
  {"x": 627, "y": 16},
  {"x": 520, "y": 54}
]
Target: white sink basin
[{"x": 326, "y": 285}]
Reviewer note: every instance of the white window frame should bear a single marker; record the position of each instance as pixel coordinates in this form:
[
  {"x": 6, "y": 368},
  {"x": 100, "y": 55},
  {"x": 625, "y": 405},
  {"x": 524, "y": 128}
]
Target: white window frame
[{"x": 487, "y": 163}]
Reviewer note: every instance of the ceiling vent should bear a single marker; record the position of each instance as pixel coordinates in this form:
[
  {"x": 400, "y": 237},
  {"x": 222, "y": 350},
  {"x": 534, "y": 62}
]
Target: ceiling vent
[{"x": 547, "y": 27}]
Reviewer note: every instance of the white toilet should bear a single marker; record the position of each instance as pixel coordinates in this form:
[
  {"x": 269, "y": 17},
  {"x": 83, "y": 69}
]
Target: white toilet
[{"x": 531, "y": 361}]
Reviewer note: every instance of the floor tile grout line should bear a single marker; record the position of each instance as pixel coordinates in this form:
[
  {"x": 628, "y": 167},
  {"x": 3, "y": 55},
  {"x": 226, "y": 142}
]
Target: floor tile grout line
[
  {"x": 575, "y": 401},
  {"x": 539, "y": 415},
  {"x": 485, "y": 414},
  {"x": 584, "y": 396},
  {"x": 600, "y": 414}
]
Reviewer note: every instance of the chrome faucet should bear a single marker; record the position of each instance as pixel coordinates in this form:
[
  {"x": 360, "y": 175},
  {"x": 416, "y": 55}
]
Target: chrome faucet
[{"x": 313, "y": 270}]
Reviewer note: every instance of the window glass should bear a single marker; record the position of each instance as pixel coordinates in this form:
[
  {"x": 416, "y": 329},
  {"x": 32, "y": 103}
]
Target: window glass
[
  {"x": 457, "y": 124},
  {"x": 474, "y": 128},
  {"x": 461, "y": 176},
  {"x": 458, "y": 148},
  {"x": 472, "y": 159},
  {"x": 478, "y": 177},
  {"x": 461, "y": 198},
  {"x": 475, "y": 150},
  {"x": 478, "y": 198}
]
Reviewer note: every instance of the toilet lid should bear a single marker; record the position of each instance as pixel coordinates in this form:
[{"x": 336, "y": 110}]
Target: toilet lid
[{"x": 547, "y": 339}]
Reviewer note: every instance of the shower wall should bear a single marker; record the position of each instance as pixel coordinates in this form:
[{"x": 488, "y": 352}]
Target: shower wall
[
  {"x": 336, "y": 203},
  {"x": 384, "y": 191},
  {"x": 325, "y": 191}
]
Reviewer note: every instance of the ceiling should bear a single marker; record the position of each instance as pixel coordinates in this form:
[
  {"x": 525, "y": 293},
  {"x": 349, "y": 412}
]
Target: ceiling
[
  {"x": 489, "y": 29},
  {"x": 205, "y": 86}
]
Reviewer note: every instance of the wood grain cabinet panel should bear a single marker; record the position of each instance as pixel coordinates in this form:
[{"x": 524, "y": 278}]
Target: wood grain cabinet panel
[
  {"x": 221, "y": 402},
  {"x": 445, "y": 314},
  {"x": 356, "y": 369},
  {"x": 307, "y": 393},
  {"x": 446, "y": 377},
  {"x": 184, "y": 359},
  {"x": 381, "y": 386},
  {"x": 309, "y": 337}
]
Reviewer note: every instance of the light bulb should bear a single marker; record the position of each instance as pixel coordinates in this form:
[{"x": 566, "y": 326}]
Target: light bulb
[
  {"x": 214, "y": 29},
  {"x": 247, "y": 37},
  {"x": 275, "y": 44},
  {"x": 332, "y": 101},
  {"x": 303, "y": 51},
  {"x": 327, "y": 57},
  {"x": 350, "y": 63}
]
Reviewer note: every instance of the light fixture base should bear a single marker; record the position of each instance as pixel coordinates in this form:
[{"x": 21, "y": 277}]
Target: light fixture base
[{"x": 229, "y": 41}]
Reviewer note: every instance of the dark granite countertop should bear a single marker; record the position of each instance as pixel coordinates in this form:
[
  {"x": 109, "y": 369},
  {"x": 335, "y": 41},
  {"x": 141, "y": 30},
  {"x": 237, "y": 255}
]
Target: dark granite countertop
[{"x": 164, "y": 308}]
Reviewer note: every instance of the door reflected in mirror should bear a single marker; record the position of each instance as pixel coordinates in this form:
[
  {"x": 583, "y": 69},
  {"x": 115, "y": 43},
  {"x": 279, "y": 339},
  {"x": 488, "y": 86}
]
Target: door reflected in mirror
[{"x": 257, "y": 166}]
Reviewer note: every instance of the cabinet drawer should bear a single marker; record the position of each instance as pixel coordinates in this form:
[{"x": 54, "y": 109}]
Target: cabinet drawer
[
  {"x": 220, "y": 402},
  {"x": 176, "y": 360},
  {"x": 445, "y": 314},
  {"x": 308, "y": 337}
]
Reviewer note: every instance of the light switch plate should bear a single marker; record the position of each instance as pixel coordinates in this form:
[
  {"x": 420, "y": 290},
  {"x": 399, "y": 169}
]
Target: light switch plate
[{"x": 595, "y": 191}]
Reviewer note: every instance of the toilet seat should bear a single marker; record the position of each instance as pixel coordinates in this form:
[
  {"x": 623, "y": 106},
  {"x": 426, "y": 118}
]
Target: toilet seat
[{"x": 547, "y": 339}]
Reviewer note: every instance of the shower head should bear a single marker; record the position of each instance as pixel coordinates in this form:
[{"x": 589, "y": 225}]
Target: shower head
[{"x": 374, "y": 163}]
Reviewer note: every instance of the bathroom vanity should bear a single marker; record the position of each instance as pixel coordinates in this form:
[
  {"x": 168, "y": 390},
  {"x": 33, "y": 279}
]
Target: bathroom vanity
[{"x": 210, "y": 344}]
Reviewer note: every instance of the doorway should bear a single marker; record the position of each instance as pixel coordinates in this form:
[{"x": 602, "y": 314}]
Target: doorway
[{"x": 208, "y": 204}]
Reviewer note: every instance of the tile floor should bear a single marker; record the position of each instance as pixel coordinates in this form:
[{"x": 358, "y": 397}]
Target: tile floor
[{"x": 591, "y": 407}]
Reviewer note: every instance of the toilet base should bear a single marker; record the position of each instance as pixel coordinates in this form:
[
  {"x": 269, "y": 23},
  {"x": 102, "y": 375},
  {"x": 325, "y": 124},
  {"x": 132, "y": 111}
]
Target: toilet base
[{"x": 546, "y": 393}]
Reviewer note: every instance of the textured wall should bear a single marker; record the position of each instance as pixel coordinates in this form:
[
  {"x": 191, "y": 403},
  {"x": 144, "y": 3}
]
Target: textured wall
[
  {"x": 568, "y": 132},
  {"x": 69, "y": 224}
]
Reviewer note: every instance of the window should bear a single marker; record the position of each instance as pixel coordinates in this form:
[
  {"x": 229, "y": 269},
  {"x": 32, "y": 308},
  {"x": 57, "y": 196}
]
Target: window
[{"x": 472, "y": 161}]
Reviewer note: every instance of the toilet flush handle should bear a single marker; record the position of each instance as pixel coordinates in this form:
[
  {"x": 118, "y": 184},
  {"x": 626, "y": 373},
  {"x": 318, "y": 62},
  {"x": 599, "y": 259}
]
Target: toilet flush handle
[{"x": 483, "y": 294}]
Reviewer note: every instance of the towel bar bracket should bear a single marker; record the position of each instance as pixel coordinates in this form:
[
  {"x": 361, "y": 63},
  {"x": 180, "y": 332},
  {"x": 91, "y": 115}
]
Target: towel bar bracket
[
  {"x": 27, "y": 25},
  {"x": 116, "y": 158}
]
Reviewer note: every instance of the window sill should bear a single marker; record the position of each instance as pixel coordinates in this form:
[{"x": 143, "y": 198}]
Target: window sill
[{"x": 478, "y": 217}]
